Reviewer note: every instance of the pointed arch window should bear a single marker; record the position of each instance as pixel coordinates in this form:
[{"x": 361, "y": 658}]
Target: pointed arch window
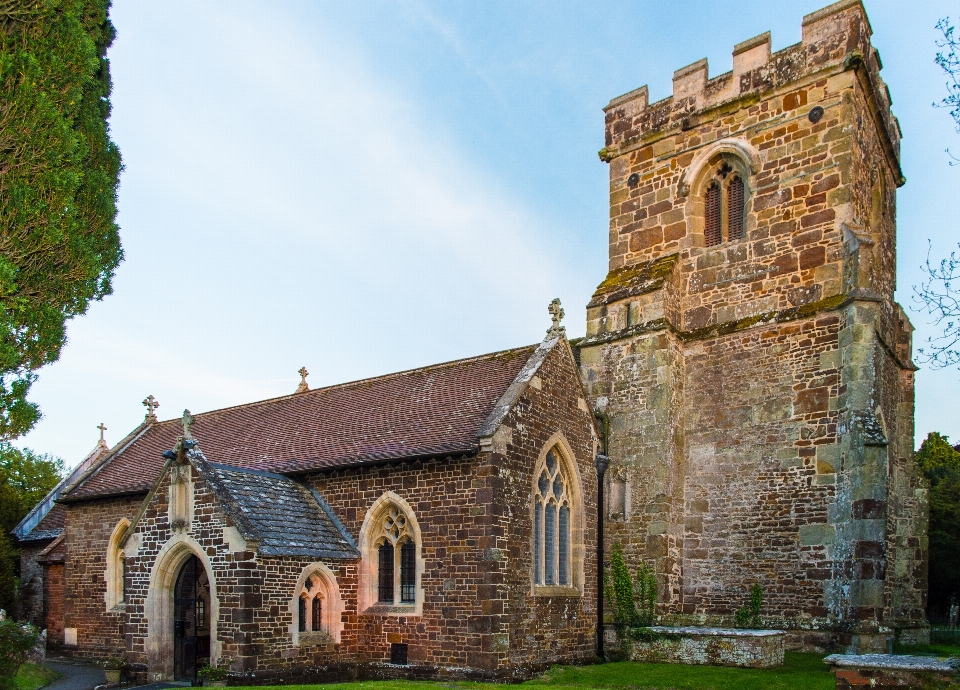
[
  {"x": 310, "y": 609},
  {"x": 724, "y": 205},
  {"x": 316, "y": 607},
  {"x": 551, "y": 524},
  {"x": 116, "y": 567},
  {"x": 390, "y": 551}
]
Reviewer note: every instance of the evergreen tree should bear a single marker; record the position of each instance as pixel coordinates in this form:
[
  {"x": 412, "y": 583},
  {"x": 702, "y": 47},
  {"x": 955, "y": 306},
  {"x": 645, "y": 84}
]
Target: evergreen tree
[
  {"x": 59, "y": 242},
  {"x": 940, "y": 464}
]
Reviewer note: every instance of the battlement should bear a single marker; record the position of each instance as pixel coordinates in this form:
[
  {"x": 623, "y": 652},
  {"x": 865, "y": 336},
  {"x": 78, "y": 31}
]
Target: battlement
[{"x": 835, "y": 39}]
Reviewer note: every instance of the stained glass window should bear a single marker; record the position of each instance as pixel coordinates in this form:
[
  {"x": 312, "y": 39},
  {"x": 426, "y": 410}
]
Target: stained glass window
[
  {"x": 317, "y": 613},
  {"x": 302, "y": 615}
]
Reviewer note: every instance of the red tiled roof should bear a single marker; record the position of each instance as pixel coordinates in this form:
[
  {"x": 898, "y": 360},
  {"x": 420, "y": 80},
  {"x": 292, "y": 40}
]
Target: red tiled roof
[
  {"x": 55, "y": 519},
  {"x": 423, "y": 412}
]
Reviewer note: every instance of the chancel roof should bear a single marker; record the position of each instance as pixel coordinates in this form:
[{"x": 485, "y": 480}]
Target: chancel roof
[{"x": 427, "y": 412}]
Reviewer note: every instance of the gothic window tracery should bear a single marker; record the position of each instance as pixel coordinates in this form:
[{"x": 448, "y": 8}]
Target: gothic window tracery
[
  {"x": 396, "y": 559},
  {"x": 391, "y": 561},
  {"x": 316, "y": 607},
  {"x": 310, "y": 605},
  {"x": 552, "y": 523}
]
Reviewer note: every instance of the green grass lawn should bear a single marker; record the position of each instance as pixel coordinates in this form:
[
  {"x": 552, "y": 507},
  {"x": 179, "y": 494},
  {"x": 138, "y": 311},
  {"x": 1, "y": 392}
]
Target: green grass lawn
[
  {"x": 799, "y": 672},
  {"x": 928, "y": 649},
  {"x": 33, "y": 676}
]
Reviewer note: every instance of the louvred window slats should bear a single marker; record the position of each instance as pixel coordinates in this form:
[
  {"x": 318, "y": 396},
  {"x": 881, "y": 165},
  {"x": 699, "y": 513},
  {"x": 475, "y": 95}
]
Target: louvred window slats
[
  {"x": 735, "y": 209},
  {"x": 711, "y": 215}
]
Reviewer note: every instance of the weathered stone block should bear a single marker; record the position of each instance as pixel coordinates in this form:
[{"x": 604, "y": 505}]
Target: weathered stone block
[{"x": 710, "y": 646}]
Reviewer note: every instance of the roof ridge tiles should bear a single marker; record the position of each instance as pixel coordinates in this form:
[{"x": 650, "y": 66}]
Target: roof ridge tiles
[
  {"x": 425, "y": 412},
  {"x": 355, "y": 382}
]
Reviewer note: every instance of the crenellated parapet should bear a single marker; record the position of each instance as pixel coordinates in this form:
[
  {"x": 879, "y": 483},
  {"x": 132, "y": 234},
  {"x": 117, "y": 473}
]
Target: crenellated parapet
[{"x": 835, "y": 39}]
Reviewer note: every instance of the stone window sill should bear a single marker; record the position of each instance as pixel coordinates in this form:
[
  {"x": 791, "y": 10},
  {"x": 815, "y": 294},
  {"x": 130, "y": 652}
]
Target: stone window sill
[
  {"x": 391, "y": 610},
  {"x": 555, "y": 591},
  {"x": 315, "y": 637}
]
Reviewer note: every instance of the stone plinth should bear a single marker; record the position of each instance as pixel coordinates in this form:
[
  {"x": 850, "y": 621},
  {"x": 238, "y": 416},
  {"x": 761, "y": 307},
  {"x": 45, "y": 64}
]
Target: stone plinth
[
  {"x": 891, "y": 671},
  {"x": 710, "y": 646}
]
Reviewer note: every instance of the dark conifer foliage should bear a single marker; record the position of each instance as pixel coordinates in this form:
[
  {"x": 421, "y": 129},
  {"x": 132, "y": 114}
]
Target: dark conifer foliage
[
  {"x": 59, "y": 170},
  {"x": 940, "y": 464}
]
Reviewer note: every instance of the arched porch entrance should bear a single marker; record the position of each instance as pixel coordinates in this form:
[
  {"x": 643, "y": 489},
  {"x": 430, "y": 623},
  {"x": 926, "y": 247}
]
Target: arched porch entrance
[
  {"x": 162, "y": 644},
  {"x": 191, "y": 620}
]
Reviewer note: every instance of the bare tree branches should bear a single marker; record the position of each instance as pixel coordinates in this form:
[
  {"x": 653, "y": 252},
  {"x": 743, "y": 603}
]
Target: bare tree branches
[
  {"x": 938, "y": 296},
  {"x": 949, "y": 61}
]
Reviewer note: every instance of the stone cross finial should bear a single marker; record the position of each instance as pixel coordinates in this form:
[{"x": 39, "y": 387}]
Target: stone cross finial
[
  {"x": 102, "y": 429},
  {"x": 556, "y": 312},
  {"x": 303, "y": 387},
  {"x": 187, "y": 421},
  {"x": 151, "y": 404}
]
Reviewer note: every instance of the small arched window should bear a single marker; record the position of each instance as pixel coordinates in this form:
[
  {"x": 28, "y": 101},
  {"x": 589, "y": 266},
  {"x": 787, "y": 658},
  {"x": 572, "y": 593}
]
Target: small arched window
[
  {"x": 316, "y": 607},
  {"x": 116, "y": 567},
  {"x": 310, "y": 605},
  {"x": 551, "y": 524},
  {"x": 724, "y": 205}
]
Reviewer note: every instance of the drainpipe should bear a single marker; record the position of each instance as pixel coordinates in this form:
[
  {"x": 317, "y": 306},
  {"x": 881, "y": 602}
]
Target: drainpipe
[{"x": 601, "y": 462}]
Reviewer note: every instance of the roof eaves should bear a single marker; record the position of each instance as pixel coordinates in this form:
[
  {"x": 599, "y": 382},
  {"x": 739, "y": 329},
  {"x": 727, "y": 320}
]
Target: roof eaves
[
  {"x": 43, "y": 507},
  {"x": 377, "y": 461},
  {"x": 40, "y": 535}
]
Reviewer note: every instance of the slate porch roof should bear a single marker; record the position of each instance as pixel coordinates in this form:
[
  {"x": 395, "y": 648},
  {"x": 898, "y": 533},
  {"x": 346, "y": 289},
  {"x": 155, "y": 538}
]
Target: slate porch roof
[
  {"x": 284, "y": 517},
  {"x": 431, "y": 411}
]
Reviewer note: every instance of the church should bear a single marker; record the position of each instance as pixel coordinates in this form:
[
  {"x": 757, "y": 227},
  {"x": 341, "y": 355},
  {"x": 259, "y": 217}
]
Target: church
[{"x": 746, "y": 371}]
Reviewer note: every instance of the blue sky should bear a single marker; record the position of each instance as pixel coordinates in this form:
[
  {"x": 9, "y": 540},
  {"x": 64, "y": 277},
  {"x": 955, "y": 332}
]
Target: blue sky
[{"x": 364, "y": 187}]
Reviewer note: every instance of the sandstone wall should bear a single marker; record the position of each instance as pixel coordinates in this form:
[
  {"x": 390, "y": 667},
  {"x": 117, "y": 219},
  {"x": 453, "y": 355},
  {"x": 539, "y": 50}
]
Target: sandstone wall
[
  {"x": 90, "y": 630},
  {"x": 760, "y": 391}
]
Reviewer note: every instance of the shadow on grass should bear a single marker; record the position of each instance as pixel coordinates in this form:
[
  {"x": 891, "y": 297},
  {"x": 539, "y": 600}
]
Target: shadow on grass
[{"x": 799, "y": 672}]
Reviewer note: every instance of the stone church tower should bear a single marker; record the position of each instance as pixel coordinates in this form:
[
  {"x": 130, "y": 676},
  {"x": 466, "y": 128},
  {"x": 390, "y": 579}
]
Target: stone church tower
[{"x": 747, "y": 350}]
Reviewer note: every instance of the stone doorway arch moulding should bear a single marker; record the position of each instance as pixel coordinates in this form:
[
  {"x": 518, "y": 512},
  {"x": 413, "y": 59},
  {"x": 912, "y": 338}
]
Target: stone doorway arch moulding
[{"x": 159, "y": 605}]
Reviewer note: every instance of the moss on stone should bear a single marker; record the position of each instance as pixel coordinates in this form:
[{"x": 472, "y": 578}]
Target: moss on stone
[{"x": 636, "y": 279}]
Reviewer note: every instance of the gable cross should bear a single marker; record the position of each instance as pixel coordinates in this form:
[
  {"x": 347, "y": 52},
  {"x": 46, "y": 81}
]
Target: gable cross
[
  {"x": 102, "y": 429},
  {"x": 556, "y": 313},
  {"x": 187, "y": 421},
  {"x": 303, "y": 387},
  {"x": 151, "y": 404}
]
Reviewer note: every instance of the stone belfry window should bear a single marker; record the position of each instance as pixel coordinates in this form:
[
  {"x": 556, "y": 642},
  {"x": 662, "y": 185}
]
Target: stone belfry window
[
  {"x": 724, "y": 206},
  {"x": 551, "y": 525}
]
